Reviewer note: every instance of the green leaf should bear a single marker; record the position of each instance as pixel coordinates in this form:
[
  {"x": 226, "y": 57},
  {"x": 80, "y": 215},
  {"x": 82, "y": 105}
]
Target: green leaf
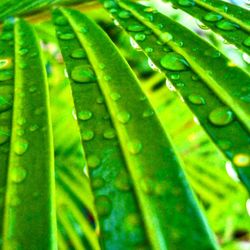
[
  {"x": 228, "y": 20},
  {"x": 219, "y": 100},
  {"x": 6, "y": 102},
  {"x": 30, "y": 205},
  {"x": 137, "y": 175}
]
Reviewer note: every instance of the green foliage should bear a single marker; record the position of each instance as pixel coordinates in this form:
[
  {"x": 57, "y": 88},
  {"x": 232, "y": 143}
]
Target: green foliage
[{"x": 135, "y": 139}]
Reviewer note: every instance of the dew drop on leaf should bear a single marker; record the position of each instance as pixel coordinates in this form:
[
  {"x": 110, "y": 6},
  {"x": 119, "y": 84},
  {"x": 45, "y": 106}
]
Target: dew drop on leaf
[
  {"x": 66, "y": 36},
  {"x": 241, "y": 160},
  {"x": 84, "y": 115},
  {"x": 23, "y": 51},
  {"x": 186, "y": 3},
  {"x": 124, "y": 14},
  {"x": 221, "y": 116},
  {"x": 246, "y": 42},
  {"x": 135, "y": 27},
  {"x": 97, "y": 182},
  {"x": 61, "y": 21},
  {"x": 6, "y": 75},
  {"x": 212, "y": 17},
  {"x": 21, "y": 146},
  {"x": 83, "y": 74},
  {"x": 78, "y": 54},
  {"x": 122, "y": 181},
  {"x": 5, "y": 63},
  {"x": 103, "y": 205},
  {"x": 148, "y": 112},
  {"x": 173, "y": 61},
  {"x": 109, "y": 133},
  {"x": 134, "y": 146},
  {"x": 87, "y": 135},
  {"x": 93, "y": 161},
  {"x": 139, "y": 37},
  {"x": 227, "y": 25},
  {"x": 123, "y": 116},
  {"x": 100, "y": 100},
  {"x": 17, "y": 174},
  {"x": 196, "y": 99},
  {"x": 115, "y": 96}
]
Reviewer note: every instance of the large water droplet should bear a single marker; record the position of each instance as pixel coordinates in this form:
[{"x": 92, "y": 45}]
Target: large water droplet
[
  {"x": 78, "y": 54},
  {"x": 123, "y": 116},
  {"x": 20, "y": 146},
  {"x": 84, "y": 115},
  {"x": 87, "y": 135},
  {"x": 212, "y": 17},
  {"x": 103, "y": 205},
  {"x": 227, "y": 25},
  {"x": 134, "y": 146},
  {"x": 17, "y": 174},
  {"x": 174, "y": 61},
  {"x": 241, "y": 160},
  {"x": 93, "y": 161},
  {"x": 83, "y": 74},
  {"x": 221, "y": 116},
  {"x": 196, "y": 99}
]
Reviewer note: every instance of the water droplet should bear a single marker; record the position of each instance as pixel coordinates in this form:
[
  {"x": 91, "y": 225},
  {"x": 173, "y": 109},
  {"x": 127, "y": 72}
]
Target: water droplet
[
  {"x": 186, "y": 3},
  {"x": 152, "y": 65},
  {"x": 93, "y": 161},
  {"x": 246, "y": 58},
  {"x": 33, "y": 127},
  {"x": 87, "y": 135},
  {"x": 148, "y": 112},
  {"x": 169, "y": 85},
  {"x": 4, "y": 135},
  {"x": 107, "y": 78},
  {"x": 246, "y": 42},
  {"x": 149, "y": 50},
  {"x": 122, "y": 181},
  {"x": 241, "y": 160},
  {"x": 135, "y": 27},
  {"x": 124, "y": 14},
  {"x": 147, "y": 185},
  {"x": 109, "y": 133},
  {"x": 134, "y": 44},
  {"x": 20, "y": 146},
  {"x": 61, "y": 21},
  {"x": 17, "y": 174},
  {"x": 174, "y": 61},
  {"x": 221, "y": 116},
  {"x": 97, "y": 182},
  {"x": 100, "y": 100},
  {"x": 115, "y": 96},
  {"x": 6, "y": 75},
  {"x": 22, "y": 65},
  {"x": 132, "y": 221},
  {"x": 21, "y": 121},
  {"x": 123, "y": 116},
  {"x": 134, "y": 146},
  {"x": 83, "y": 74},
  {"x": 175, "y": 76},
  {"x": 103, "y": 205},
  {"x": 109, "y": 4},
  {"x": 5, "y": 63},
  {"x": 67, "y": 36},
  {"x": 166, "y": 37},
  {"x": 196, "y": 99},
  {"x": 213, "y": 53},
  {"x": 84, "y": 115},
  {"x": 227, "y": 25},
  {"x": 231, "y": 171},
  {"x": 7, "y": 36},
  {"x": 20, "y": 132},
  {"x": 23, "y": 51},
  {"x": 78, "y": 54},
  {"x": 33, "y": 89},
  {"x": 140, "y": 37},
  {"x": 212, "y": 17}
]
